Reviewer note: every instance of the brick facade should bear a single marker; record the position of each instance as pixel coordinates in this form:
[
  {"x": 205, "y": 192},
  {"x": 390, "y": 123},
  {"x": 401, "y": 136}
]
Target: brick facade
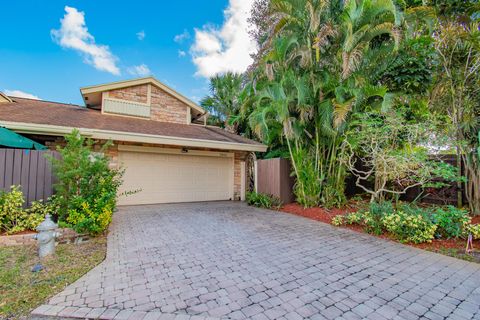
[
  {"x": 167, "y": 108},
  {"x": 237, "y": 174},
  {"x": 135, "y": 93},
  {"x": 163, "y": 106}
]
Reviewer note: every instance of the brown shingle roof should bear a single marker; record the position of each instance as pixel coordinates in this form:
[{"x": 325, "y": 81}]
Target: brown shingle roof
[{"x": 68, "y": 115}]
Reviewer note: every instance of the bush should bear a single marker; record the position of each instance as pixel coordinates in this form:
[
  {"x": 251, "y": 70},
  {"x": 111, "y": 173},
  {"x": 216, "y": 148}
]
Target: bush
[
  {"x": 262, "y": 200},
  {"x": 12, "y": 215},
  {"x": 13, "y": 218},
  {"x": 409, "y": 228},
  {"x": 338, "y": 220},
  {"x": 451, "y": 222},
  {"x": 410, "y": 223},
  {"x": 87, "y": 187},
  {"x": 474, "y": 229},
  {"x": 372, "y": 219}
]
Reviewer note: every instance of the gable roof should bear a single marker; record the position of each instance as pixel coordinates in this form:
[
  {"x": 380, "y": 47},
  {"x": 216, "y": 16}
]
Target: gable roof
[
  {"x": 140, "y": 81},
  {"x": 4, "y": 98},
  {"x": 52, "y": 118}
]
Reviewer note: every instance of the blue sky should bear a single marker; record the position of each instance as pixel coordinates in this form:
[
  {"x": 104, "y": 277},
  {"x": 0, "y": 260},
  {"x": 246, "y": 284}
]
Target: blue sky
[{"x": 49, "y": 49}]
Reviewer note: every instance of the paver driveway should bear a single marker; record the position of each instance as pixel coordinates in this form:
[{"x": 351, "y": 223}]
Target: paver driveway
[{"x": 227, "y": 260}]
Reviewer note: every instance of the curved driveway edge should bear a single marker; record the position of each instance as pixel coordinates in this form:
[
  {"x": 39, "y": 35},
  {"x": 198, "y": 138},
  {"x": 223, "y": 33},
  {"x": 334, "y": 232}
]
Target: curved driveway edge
[{"x": 230, "y": 261}]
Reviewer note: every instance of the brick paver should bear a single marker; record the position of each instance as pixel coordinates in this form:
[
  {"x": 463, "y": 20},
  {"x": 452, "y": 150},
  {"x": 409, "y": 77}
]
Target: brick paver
[{"x": 228, "y": 260}]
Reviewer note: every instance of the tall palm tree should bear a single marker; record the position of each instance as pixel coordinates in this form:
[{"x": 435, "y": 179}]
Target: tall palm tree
[
  {"x": 364, "y": 21},
  {"x": 223, "y": 101}
]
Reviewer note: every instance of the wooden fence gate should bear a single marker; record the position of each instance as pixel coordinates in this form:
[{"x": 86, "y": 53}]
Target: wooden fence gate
[{"x": 30, "y": 169}]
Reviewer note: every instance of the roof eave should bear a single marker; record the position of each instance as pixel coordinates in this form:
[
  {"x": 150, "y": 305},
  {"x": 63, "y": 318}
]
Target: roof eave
[{"x": 31, "y": 128}]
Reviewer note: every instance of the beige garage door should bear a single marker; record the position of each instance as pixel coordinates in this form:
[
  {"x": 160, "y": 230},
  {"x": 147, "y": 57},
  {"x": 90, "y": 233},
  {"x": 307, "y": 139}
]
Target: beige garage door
[{"x": 166, "y": 178}]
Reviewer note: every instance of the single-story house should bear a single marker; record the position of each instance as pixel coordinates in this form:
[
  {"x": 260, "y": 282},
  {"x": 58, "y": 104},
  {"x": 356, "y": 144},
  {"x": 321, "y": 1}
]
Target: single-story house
[{"x": 159, "y": 137}]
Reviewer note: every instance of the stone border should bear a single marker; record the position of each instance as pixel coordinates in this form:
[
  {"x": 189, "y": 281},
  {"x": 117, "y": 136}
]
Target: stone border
[
  {"x": 67, "y": 236},
  {"x": 17, "y": 240},
  {"x": 57, "y": 312}
]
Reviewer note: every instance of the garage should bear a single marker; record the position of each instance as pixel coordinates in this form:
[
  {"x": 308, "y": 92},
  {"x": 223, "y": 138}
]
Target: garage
[{"x": 175, "y": 175}]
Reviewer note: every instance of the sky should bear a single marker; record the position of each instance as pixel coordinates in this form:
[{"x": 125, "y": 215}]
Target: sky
[{"x": 49, "y": 49}]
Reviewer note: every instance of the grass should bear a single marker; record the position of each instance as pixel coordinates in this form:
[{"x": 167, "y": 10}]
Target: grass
[
  {"x": 22, "y": 290},
  {"x": 457, "y": 253}
]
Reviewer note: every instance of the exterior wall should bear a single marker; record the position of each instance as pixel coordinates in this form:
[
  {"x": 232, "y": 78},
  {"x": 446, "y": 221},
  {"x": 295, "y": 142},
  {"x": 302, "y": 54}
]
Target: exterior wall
[
  {"x": 135, "y": 93},
  {"x": 112, "y": 152},
  {"x": 237, "y": 175},
  {"x": 163, "y": 106},
  {"x": 166, "y": 108}
]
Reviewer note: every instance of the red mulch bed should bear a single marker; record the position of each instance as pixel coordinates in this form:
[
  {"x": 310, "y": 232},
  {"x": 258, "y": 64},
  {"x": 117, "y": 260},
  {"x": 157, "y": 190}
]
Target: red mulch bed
[
  {"x": 317, "y": 213},
  {"x": 452, "y": 247}
]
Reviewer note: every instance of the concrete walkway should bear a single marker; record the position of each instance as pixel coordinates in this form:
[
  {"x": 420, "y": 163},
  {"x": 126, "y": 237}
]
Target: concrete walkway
[{"x": 228, "y": 260}]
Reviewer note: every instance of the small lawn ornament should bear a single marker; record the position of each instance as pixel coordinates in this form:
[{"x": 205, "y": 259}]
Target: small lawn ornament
[
  {"x": 469, "y": 249},
  {"x": 46, "y": 237}
]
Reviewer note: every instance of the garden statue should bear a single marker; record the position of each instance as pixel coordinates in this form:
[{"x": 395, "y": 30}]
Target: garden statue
[{"x": 46, "y": 237}]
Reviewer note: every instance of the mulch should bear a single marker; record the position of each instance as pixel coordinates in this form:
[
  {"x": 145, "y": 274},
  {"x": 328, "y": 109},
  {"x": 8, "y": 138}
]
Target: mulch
[{"x": 317, "y": 213}]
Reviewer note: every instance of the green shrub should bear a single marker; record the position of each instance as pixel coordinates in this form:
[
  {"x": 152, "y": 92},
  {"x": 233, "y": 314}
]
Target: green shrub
[
  {"x": 354, "y": 218},
  {"x": 13, "y": 218},
  {"x": 451, "y": 222},
  {"x": 262, "y": 200},
  {"x": 412, "y": 209},
  {"x": 409, "y": 228},
  {"x": 12, "y": 215},
  {"x": 474, "y": 229},
  {"x": 372, "y": 219},
  {"x": 87, "y": 186},
  {"x": 410, "y": 223},
  {"x": 338, "y": 220}
]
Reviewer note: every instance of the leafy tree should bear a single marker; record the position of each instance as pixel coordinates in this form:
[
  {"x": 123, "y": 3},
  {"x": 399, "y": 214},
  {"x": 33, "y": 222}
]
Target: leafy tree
[
  {"x": 387, "y": 147},
  {"x": 87, "y": 187},
  {"x": 456, "y": 94}
]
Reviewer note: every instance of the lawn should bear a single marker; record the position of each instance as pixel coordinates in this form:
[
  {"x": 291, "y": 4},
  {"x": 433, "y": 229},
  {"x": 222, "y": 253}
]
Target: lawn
[{"x": 22, "y": 290}]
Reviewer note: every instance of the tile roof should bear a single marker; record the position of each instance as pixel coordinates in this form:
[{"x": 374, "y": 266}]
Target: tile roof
[{"x": 69, "y": 115}]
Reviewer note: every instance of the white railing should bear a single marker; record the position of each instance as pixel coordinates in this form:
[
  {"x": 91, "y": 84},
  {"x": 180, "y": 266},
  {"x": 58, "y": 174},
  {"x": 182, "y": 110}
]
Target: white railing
[{"x": 128, "y": 108}]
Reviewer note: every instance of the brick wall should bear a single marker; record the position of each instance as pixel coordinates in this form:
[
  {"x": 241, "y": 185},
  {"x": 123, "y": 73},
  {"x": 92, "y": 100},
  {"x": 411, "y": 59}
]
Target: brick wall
[
  {"x": 237, "y": 174},
  {"x": 167, "y": 108},
  {"x": 163, "y": 106},
  {"x": 135, "y": 93}
]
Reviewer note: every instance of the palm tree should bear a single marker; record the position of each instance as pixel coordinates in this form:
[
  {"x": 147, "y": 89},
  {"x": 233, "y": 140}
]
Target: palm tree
[
  {"x": 363, "y": 22},
  {"x": 223, "y": 101}
]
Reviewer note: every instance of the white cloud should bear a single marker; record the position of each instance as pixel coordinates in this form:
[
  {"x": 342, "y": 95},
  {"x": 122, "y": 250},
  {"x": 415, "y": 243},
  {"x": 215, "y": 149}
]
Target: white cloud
[
  {"x": 141, "y": 35},
  {"x": 73, "y": 34},
  {"x": 140, "y": 70},
  {"x": 218, "y": 50},
  {"x": 20, "y": 94},
  {"x": 195, "y": 99},
  {"x": 179, "y": 38},
  {"x": 181, "y": 53}
]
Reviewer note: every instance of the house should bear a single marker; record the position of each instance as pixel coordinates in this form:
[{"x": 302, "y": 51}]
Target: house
[{"x": 159, "y": 137}]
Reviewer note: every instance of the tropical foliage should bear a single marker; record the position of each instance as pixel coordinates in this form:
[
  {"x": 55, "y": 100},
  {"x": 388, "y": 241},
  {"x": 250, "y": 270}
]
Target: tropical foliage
[
  {"x": 380, "y": 82},
  {"x": 263, "y": 200}
]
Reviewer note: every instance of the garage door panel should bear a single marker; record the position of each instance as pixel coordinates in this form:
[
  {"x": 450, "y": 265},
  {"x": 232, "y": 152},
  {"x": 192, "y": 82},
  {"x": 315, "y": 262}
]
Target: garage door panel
[{"x": 166, "y": 178}]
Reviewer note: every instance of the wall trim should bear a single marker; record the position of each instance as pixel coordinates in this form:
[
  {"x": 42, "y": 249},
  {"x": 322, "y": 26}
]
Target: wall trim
[{"x": 128, "y": 148}]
